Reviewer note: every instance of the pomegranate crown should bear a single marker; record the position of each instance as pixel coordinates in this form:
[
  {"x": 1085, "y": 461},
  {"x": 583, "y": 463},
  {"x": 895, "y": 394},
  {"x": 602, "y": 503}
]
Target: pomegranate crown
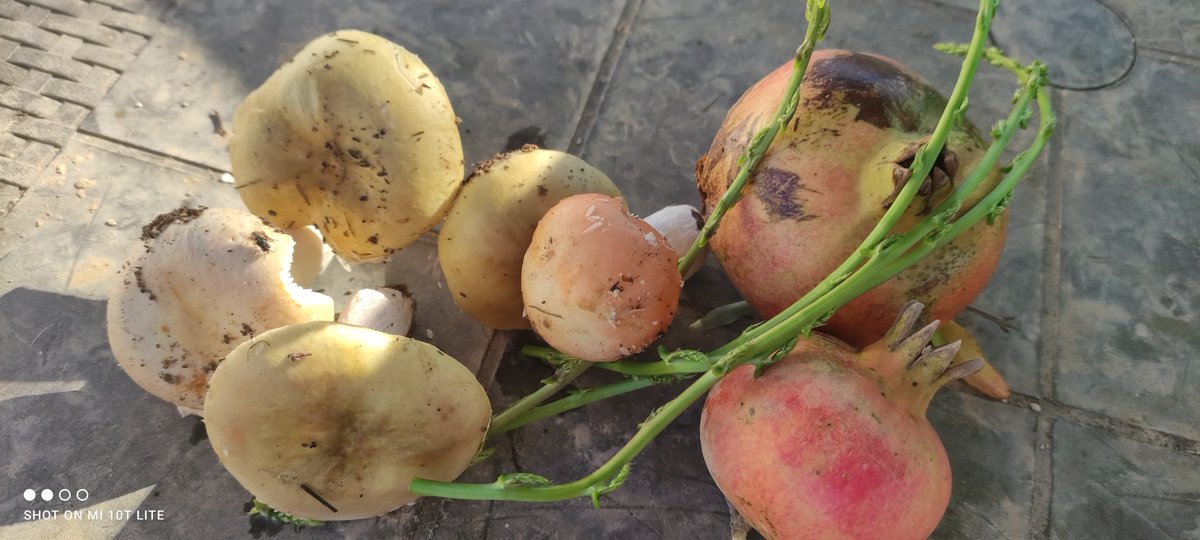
[{"x": 908, "y": 367}]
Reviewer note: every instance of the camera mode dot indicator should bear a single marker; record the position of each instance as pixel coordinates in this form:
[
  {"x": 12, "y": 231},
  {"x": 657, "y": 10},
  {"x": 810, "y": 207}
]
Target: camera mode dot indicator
[
  {"x": 47, "y": 495},
  {"x": 30, "y": 495}
]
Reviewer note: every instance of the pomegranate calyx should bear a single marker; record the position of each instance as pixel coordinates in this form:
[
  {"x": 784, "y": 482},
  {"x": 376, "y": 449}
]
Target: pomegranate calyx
[
  {"x": 908, "y": 367},
  {"x": 943, "y": 173}
]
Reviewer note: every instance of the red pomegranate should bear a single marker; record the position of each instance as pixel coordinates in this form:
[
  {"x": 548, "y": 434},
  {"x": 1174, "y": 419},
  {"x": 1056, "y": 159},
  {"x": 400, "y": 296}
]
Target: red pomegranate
[
  {"x": 832, "y": 443},
  {"x": 829, "y": 177}
]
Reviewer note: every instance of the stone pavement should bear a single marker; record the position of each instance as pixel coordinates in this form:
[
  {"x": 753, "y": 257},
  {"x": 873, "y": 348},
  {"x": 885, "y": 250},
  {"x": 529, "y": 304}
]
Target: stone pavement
[{"x": 109, "y": 112}]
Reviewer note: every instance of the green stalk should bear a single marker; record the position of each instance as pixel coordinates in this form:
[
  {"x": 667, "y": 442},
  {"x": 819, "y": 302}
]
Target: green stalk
[
  {"x": 576, "y": 400},
  {"x": 567, "y": 372},
  {"x": 817, "y": 15}
]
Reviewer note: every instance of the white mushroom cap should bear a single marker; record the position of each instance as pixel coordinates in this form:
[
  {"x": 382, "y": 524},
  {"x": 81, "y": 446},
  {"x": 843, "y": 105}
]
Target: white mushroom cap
[
  {"x": 201, "y": 282},
  {"x": 385, "y": 309},
  {"x": 354, "y": 135},
  {"x": 680, "y": 224}
]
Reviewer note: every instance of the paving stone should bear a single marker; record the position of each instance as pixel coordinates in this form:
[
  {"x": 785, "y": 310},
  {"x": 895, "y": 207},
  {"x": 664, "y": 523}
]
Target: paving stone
[
  {"x": 11, "y": 146},
  {"x": 1084, "y": 43},
  {"x": 476, "y": 48},
  {"x": 34, "y": 15},
  {"x": 34, "y": 80},
  {"x": 11, "y": 10},
  {"x": 41, "y": 130},
  {"x": 88, "y": 95},
  {"x": 49, "y": 63},
  {"x": 70, "y": 114},
  {"x": 991, "y": 449},
  {"x": 136, "y": 6},
  {"x": 7, "y": 47},
  {"x": 37, "y": 154},
  {"x": 10, "y": 74},
  {"x": 9, "y": 195},
  {"x": 132, "y": 22},
  {"x": 26, "y": 34},
  {"x": 1130, "y": 301},
  {"x": 112, "y": 58},
  {"x": 65, "y": 46},
  {"x": 27, "y": 102},
  {"x": 70, "y": 7},
  {"x": 15, "y": 172},
  {"x": 1168, "y": 25},
  {"x": 91, "y": 31},
  {"x": 1108, "y": 487}
]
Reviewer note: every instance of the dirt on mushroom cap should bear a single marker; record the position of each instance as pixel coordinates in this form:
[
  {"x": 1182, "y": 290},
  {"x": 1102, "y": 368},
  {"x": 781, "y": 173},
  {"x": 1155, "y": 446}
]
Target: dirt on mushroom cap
[
  {"x": 356, "y": 136},
  {"x": 350, "y": 413},
  {"x": 202, "y": 281}
]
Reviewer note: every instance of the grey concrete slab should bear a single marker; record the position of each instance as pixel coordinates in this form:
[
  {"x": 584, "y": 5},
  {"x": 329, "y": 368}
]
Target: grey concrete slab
[
  {"x": 1130, "y": 306},
  {"x": 506, "y": 77},
  {"x": 1107, "y": 487},
  {"x": 1166, "y": 25},
  {"x": 74, "y": 228},
  {"x": 991, "y": 449},
  {"x": 1084, "y": 43},
  {"x": 9, "y": 195}
]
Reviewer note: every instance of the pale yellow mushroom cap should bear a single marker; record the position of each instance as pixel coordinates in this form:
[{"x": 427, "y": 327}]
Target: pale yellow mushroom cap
[
  {"x": 354, "y": 135},
  {"x": 201, "y": 282},
  {"x": 350, "y": 413}
]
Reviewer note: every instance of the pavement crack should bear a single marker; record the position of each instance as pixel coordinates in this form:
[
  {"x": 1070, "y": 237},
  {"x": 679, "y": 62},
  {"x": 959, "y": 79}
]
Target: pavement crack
[
  {"x": 79, "y": 251},
  {"x": 608, "y": 66}
]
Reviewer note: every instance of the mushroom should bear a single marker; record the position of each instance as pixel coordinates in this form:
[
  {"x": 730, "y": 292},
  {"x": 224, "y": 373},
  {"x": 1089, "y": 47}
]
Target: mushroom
[
  {"x": 386, "y": 309},
  {"x": 354, "y": 135},
  {"x": 599, "y": 283},
  {"x": 202, "y": 281},
  {"x": 331, "y": 421},
  {"x": 680, "y": 224},
  {"x": 483, "y": 241}
]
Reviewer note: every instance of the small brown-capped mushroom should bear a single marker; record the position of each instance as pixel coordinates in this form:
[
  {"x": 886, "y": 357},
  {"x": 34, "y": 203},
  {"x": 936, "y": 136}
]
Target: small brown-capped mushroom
[
  {"x": 680, "y": 224},
  {"x": 483, "y": 241},
  {"x": 385, "y": 309},
  {"x": 201, "y": 282},
  {"x": 598, "y": 283},
  {"x": 354, "y": 135}
]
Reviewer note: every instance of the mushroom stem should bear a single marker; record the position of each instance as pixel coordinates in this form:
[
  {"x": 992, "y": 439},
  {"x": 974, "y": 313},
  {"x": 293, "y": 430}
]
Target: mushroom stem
[
  {"x": 386, "y": 309},
  {"x": 680, "y": 224}
]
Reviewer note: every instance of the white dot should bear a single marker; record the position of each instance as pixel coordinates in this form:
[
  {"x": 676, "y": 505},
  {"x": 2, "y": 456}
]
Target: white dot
[
  {"x": 30, "y": 495},
  {"x": 47, "y": 495}
]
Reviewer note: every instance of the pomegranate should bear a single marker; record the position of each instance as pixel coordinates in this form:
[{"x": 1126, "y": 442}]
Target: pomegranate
[
  {"x": 833, "y": 443},
  {"x": 828, "y": 178}
]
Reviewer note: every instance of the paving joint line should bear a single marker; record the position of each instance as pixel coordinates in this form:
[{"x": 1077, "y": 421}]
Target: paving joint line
[
  {"x": 499, "y": 342},
  {"x": 1057, "y": 411},
  {"x": 608, "y": 67},
  {"x": 1047, "y": 353},
  {"x": 137, "y": 151}
]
